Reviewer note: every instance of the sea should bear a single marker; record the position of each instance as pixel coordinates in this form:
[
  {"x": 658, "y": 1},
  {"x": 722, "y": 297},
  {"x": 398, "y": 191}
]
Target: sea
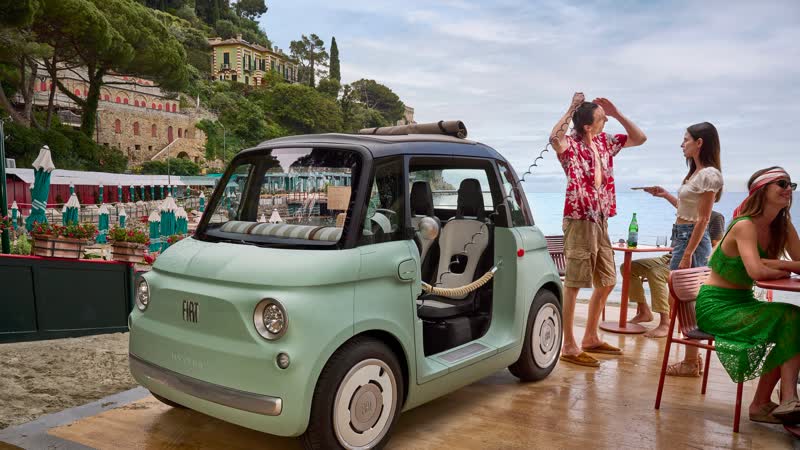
[{"x": 654, "y": 215}]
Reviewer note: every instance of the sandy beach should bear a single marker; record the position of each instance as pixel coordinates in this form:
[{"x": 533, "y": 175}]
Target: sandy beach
[{"x": 42, "y": 377}]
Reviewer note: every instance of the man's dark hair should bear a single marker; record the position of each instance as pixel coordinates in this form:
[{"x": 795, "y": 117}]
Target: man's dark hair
[{"x": 583, "y": 115}]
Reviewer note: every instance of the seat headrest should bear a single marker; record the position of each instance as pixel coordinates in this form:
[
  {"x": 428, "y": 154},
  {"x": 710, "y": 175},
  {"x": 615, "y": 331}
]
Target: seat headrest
[
  {"x": 421, "y": 199},
  {"x": 470, "y": 200}
]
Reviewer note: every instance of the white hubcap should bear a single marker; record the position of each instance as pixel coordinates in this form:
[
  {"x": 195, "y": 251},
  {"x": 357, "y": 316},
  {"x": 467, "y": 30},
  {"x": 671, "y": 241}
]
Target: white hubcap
[
  {"x": 364, "y": 405},
  {"x": 546, "y": 335}
]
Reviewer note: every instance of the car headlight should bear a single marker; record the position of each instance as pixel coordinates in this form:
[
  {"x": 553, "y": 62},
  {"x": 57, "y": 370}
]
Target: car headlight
[
  {"x": 270, "y": 319},
  {"x": 142, "y": 294}
]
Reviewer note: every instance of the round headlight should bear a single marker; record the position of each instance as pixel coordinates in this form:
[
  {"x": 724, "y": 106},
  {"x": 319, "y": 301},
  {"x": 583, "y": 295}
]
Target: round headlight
[
  {"x": 270, "y": 319},
  {"x": 142, "y": 295}
]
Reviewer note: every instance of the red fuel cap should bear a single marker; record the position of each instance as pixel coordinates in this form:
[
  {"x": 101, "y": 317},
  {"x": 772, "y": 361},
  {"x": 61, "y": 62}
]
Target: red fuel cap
[{"x": 520, "y": 253}]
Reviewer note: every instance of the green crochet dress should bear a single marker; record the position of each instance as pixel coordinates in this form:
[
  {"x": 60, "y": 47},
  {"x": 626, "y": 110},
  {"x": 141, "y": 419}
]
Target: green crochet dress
[{"x": 752, "y": 337}]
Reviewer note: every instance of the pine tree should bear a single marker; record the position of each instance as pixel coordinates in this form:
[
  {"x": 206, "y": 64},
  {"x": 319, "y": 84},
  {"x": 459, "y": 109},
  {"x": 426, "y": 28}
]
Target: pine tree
[{"x": 335, "y": 72}]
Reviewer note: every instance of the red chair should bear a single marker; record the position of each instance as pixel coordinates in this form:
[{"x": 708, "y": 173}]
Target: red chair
[{"x": 684, "y": 284}]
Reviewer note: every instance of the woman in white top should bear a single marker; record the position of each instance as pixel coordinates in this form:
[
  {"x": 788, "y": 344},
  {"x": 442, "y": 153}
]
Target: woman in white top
[{"x": 701, "y": 188}]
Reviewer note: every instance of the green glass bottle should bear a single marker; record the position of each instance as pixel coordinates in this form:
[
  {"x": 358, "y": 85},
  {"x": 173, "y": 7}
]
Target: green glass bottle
[{"x": 633, "y": 233}]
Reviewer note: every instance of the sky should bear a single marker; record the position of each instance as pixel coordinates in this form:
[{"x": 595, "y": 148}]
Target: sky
[{"x": 508, "y": 69}]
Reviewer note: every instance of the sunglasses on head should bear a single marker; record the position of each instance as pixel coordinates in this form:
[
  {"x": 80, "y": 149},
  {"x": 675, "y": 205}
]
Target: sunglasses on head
[{"x": 783, "y": 184}]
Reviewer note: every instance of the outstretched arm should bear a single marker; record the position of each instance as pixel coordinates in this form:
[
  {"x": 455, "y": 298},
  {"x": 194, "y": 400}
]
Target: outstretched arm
[
  {"x": 658, "y": 191},
  {"x": 635, "y": 134},
  {"x": 558, "y": 137}
]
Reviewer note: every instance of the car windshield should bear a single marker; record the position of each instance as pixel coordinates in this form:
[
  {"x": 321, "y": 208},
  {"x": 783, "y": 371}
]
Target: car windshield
[{"x": 283, "y": 197}]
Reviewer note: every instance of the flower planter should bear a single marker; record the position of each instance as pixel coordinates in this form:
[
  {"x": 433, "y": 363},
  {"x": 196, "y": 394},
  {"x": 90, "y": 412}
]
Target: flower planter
[
  {"x": 58, "y": 247},
  {"x": 128, "y": 251}
]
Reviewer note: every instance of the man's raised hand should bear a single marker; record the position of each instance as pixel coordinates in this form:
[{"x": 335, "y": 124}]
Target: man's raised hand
[
  {"x": 577, "y": 99},
  {"x": 608, "y": 107}
]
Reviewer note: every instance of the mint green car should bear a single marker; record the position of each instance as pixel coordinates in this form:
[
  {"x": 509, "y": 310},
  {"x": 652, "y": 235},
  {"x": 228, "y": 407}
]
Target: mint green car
[{"x": 337, "y": 280}]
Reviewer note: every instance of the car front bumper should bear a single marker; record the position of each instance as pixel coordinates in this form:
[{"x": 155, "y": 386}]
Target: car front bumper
[{"x": 232, "y": 398}]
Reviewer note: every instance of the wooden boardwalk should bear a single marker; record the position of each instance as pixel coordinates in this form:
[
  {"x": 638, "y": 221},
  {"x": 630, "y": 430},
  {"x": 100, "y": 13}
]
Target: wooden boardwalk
[{"x": 609, "y": 407}]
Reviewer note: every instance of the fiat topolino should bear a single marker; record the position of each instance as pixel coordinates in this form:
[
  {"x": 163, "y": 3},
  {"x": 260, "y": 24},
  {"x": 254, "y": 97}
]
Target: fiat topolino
[{"x": 402, "y": 267}]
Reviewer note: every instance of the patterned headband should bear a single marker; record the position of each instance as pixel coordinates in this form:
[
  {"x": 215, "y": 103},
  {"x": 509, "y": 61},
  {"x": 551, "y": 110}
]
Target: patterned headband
[{"x": 762, "y": 180}]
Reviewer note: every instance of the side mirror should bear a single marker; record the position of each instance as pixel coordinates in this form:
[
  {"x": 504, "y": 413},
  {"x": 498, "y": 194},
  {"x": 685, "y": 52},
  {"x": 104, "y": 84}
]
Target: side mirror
[{"x": 428, "y": 228}]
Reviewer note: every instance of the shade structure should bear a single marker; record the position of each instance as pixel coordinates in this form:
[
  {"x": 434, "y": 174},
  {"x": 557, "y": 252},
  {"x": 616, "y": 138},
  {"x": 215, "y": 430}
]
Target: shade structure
[
  {"x": 121, "y": 216},
  {"x": 102, "y": 226},
  {"x": 154, "y": 221},
  {"x": 72, "y": 211},
  {"x": 14, "y": 214},
  {"x": 43, "y": 166},
  {"x": 262, "y": 219},
  {"x": 181, "y": 221},
  {"x": 202, "y": 202},
  {"x": 168, "y": 221}
]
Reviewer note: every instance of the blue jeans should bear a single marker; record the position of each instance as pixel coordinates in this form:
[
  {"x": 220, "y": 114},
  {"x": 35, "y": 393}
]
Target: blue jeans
[{"x": 681, "y": 233}]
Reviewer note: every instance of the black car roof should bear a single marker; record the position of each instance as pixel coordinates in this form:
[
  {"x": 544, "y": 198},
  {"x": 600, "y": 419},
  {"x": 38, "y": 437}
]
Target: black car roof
[{"x": 391, "y": 145}]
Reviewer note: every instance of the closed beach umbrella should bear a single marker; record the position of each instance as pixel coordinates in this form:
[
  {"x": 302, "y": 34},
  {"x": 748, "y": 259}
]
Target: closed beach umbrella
[
  {"x": 155, "y": 230},
  {"x": 71, "y": 189},
  {"x": 72, "y": 211},
  {"x": 102, "y": 227},
  {"x": 181, "y": 221},
  {"x": 132, "y": 190},
  {"x": 121, "y": 216},
  {"x": 14, "y": 213},
  {"x": 119, "y": 194},
  {"x": 262, "y": 219},
  {"x": 152, "y": 192},
  {"x": 168, "y": 222},
  {"x": 161, "y": 196},
  {"x": 43, "y": 166},
  {"x": 100, "y": 194},
  {"x": 275, "y": 217},
  {"x": 202, "y": 202}
]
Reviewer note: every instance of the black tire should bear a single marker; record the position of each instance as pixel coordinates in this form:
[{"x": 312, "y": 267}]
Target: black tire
[
  {"x": 538, "y": 359},
  {"x": 321, "y": 432},
  {"x": 167, "y": 401}
]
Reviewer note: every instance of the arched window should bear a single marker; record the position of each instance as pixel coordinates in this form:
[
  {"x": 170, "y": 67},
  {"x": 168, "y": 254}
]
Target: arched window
[
  {"x": 43, "y": 86},
  {"x": 136, "y": 128},
  {"x": 107, "y": 97},
  {"x": 180, "y": 132},
  {"x": 136, "y": 103},
  {"x": 125, "y": 100},
  {"x": 117, "y": 126},
  {"x": 153, "y": 130},
  {"x": 174, "y": 107},
  {"x": 78, "y": 92},
  {"x": 159, "y": 106},
  {"x": 118, "y": 100},
  {"x": 153, "y": 105}
]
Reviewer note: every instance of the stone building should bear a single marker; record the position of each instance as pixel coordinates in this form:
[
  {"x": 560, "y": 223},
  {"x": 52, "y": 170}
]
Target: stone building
[
  {"x": 408, "y": 116},
  {"x": 238, "y": 60},
  {"x": 133, "y": 115}
]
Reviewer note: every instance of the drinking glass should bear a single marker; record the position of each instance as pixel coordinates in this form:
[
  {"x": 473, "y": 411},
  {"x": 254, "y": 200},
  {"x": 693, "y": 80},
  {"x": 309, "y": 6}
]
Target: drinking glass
[{"x": 661, "y": 241}]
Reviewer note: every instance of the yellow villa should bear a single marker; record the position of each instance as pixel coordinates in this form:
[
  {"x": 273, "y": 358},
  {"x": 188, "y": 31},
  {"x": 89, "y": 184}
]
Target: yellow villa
[{"x": 238, "y": 60}]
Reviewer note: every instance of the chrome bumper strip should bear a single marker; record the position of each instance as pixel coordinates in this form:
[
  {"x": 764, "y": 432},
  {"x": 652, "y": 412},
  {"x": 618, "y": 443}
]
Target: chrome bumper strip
[{"x": 245, "y": 401}]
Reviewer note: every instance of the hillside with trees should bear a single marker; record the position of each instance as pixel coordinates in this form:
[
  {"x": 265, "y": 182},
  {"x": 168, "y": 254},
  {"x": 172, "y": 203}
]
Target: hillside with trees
[{"x": 166, "y": 41}]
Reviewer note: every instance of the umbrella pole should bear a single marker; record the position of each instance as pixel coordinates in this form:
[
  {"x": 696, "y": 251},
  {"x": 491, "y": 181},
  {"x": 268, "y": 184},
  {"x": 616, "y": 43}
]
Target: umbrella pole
[{"x": 5, "y": 245}]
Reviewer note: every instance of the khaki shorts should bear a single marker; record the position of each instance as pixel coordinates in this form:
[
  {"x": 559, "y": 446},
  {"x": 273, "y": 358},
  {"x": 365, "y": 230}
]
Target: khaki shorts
[{"x": 590, "y": 259}]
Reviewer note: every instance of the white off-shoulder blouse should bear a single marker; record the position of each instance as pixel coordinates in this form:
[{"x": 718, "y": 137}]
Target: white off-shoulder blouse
[{"x": 708, "y": 179}]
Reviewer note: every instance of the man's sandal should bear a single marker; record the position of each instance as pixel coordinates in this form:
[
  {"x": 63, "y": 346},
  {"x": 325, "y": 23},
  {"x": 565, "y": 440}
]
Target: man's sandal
[{"x": 581, "y": 359}]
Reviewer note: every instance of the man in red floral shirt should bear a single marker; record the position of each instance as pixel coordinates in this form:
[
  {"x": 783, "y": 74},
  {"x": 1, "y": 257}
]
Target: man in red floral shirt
[{"x": 587, "y": 156}]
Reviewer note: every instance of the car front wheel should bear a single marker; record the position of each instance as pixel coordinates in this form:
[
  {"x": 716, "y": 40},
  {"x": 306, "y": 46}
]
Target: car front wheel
[
  {"x": 357, "y": 399},
  {"x": 542, "y": 344}
]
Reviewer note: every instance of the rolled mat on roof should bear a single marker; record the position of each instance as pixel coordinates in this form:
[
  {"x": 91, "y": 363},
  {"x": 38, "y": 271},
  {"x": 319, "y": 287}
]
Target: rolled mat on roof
[{"x": 455, "y": 128}]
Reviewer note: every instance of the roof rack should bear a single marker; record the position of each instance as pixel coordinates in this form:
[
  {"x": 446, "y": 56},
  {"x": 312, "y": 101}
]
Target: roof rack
[{"x": 455, "y": 128}]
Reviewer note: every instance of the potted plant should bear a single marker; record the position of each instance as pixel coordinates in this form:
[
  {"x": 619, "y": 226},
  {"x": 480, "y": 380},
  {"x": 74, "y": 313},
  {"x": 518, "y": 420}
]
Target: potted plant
[
  {"x": 62, "y": 241},
  {"x": 128, "y": 244},
  {"x": 6, "y": 224}
]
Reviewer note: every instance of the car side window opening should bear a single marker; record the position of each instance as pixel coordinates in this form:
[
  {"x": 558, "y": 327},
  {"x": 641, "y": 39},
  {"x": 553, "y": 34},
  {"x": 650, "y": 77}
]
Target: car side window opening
[
  {"x": 514, "y": 199},
  {"x": 384, "y": 220}
]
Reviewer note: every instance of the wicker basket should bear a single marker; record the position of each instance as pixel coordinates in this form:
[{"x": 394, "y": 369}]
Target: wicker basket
[
  {"x": 58, "y": 247},
  {"x": 128, "y": 251}
]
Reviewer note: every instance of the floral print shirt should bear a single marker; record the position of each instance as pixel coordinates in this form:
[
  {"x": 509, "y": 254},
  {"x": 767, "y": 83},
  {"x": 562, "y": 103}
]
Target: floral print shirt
[{"x": 584, "y": 201}]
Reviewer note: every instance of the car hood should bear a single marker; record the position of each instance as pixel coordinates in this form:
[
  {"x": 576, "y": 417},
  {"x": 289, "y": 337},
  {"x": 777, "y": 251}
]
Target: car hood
[{"x": 249, "y": 264}]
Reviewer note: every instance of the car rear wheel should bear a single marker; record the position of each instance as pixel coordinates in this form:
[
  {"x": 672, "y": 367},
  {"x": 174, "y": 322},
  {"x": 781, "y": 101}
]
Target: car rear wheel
[
  {"x": 357, "y": 399},
  {"x": 542, "y": 344}
]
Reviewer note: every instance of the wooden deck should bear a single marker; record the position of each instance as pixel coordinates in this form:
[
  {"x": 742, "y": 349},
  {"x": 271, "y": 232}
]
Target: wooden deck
[{"x": 609, "y": 407}]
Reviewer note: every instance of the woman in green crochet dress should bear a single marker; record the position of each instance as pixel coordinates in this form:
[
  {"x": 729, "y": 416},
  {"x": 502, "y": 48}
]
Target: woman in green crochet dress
[{"x": 754, "y": 338}]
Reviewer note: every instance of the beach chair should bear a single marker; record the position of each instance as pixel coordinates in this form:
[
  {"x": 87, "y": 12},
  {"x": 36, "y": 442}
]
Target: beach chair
[{"x": 684, "y": 284}]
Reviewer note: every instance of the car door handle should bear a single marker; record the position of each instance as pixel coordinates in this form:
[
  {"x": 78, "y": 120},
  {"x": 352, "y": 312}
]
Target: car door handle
[{"x": 406, "y": 270}]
